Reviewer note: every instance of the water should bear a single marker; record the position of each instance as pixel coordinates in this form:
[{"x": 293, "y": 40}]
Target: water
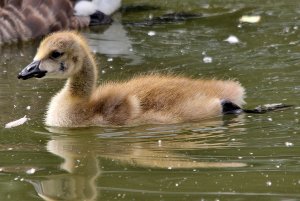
[{"x": 246, "y": 157}]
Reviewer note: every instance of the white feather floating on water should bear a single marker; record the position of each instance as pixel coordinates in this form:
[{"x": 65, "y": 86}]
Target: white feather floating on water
[
  {"x": 207, "y": 59},
  {"x": 250, "y": 19},
  {"x": 16, "y": 122},
  {"x": 232, "y": 39}
]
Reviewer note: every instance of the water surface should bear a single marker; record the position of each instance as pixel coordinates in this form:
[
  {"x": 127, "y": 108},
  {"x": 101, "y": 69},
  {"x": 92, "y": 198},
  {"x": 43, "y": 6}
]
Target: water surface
[{"x": 246, "y": 157}]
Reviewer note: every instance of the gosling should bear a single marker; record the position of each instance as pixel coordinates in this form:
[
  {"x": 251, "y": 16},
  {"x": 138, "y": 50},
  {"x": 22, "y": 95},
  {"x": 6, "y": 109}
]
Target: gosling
[{"x": 141, "y": 100}]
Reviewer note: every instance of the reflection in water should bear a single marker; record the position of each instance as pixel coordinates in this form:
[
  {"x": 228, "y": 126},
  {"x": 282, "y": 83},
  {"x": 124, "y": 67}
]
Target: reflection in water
[
  {"x": 82, "y": 171},
  {"x": 114, "y": 42},
  {"x": 141, "y": 147}
]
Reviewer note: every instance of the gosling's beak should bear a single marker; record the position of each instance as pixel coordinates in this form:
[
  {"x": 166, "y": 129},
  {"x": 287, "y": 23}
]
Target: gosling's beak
[{"x": 32, "y": 70}]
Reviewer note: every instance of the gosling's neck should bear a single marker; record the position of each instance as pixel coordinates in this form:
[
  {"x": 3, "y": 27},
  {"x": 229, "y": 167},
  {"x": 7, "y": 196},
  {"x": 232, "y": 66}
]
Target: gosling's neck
[{"x": 82, "y": 84}]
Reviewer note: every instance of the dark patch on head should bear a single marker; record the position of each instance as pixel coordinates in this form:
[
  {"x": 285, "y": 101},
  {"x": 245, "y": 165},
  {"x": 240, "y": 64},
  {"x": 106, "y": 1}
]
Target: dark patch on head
[
  {"x": 75, "y": 59},
  {"x": 56, "y": 54},
  {"x": 62, "y": 67}
]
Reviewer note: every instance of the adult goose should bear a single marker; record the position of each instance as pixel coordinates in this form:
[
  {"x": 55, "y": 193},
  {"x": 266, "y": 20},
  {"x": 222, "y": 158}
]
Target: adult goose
[{"x": 28, "y": 19}]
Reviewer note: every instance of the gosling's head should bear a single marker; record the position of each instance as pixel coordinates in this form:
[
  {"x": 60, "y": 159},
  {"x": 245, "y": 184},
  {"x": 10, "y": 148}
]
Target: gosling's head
[{"x": 60, "y": 55}]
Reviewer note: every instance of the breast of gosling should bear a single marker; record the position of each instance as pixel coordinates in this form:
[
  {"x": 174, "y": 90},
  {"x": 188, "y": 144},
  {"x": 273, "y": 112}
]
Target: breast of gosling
[{"x": 143, "y": 99}]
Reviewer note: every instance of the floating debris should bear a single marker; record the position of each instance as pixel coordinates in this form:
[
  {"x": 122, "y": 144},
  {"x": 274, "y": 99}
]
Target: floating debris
[
  {"x": 17, "y": 122},
  {"x": 268, "y": 107},
  {"x": 250, "y": 19},
  {"x": 159, "y": 143},
  {"x": 207, "y": 59},
  {"x": 30, "y": 171},
  {"x": 151, "y": 33},
  {"x": 232, "y": 39},
  {"x": 289, "y": 144}
]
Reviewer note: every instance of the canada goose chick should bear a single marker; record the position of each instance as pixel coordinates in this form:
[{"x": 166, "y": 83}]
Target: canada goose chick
[{"x": 144, "y": 99}]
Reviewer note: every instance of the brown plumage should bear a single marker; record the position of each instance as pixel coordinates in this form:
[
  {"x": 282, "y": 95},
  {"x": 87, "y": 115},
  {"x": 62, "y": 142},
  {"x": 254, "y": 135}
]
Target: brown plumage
[
  {"x": 143, "y": 99},
  {"x": 27, "y": 19}
]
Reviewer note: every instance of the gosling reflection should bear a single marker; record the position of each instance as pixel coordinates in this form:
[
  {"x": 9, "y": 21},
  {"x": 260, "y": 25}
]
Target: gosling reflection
[
  {"x": 82, "y": 169},
  {"x": 82, "y": 153},
  {"x": 166, "y": 152}
]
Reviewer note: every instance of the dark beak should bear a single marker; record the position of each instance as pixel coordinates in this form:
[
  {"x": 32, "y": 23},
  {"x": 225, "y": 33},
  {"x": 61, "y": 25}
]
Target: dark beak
[{"x": 32, "y": 70}]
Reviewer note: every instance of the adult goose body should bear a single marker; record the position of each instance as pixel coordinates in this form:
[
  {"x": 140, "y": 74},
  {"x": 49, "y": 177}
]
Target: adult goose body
[
  {"x": 22, "y": 20},
  {"x": 143, "y": 99}
]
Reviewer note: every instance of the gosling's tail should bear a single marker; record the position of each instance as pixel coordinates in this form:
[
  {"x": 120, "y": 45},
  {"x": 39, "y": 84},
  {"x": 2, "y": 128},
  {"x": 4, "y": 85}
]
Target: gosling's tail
[{"x": 231, "y": 108}]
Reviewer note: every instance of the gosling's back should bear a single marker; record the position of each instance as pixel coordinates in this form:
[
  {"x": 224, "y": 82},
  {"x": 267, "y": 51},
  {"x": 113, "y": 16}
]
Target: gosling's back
[{"x": 169, "y": 99}]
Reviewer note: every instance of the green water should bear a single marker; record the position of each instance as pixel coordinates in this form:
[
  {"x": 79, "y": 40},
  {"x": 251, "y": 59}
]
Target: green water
[{"x": 246, "y": 157}]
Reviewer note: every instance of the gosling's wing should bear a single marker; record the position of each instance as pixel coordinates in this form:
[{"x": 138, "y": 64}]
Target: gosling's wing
[{"x": 114, "y": 105}]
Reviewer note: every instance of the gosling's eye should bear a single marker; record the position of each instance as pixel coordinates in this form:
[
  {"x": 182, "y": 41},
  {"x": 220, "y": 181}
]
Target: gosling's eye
[{"x": 56, "y": 54}]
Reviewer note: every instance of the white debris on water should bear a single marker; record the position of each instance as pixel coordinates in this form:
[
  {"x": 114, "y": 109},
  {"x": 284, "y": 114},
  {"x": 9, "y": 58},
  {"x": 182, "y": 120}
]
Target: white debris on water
[
  {"x": 232, "y": 39},
  {"x": 159, "y": 143},
  {"x": 207, "y": 59},
  {"x": 289, "y": 144},
  {"x": 17, "y": 122},
  {"x": 250, "y": 18},
  {"x": 31, "y": 171},
  {"x": 151, "y": 33}
]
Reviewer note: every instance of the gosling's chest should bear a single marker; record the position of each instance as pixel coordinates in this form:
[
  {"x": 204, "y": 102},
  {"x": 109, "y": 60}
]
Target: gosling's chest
[{"x": 65, "y": 112}]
